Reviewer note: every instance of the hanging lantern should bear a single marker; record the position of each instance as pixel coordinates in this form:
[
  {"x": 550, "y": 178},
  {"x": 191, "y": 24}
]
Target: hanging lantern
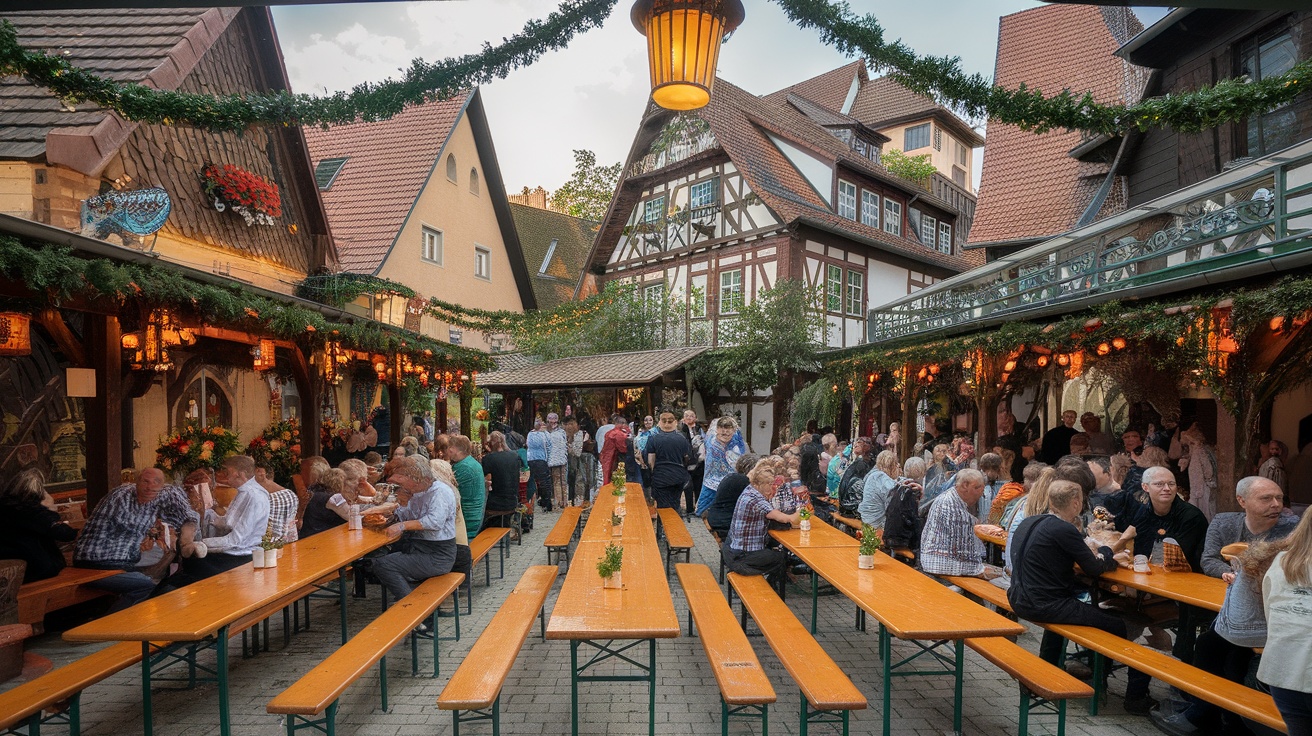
[
  {"x": 1008, "y": 367},
  {"x": 332, "y": 362},
  {"x": 154, "y": 354},
  {"x": 967, "y": 364},
  {"x": 933, "y": 370},
  {"x": 263, "y": 354},
  {"x": 1063, "y": 360},
  {"x": 15, "y": 333},
  {"x": 130, "y": 341},
  {"x": 921, "y": 375},
  {"x": 1104, "y": 348},
  {"x": 1043, "y": 361},
  {"x": 1276, "y": 324},
  {"x": 1119, "y": 343},
  {"x": 683, "y": 46}
]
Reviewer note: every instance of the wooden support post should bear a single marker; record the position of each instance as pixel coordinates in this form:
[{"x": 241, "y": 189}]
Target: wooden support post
[
  {"x": 909, "y": 433},
  {"x": 307, "y": 390},
  {"x": 396, "y": 412},
  {"x": 104, "y": 429}
]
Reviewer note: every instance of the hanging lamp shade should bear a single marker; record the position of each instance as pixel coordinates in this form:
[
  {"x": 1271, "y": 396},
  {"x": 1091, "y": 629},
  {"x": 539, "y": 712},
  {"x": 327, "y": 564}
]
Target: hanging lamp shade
[
  {"x": 15, "y": 333},
  {"x": 683, "y": 46}
]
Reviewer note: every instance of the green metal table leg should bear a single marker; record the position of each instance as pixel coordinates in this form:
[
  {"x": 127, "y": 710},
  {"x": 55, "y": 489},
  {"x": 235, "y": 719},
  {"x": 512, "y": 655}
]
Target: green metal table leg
[
  {"x": 382, "y": 679},
  {"x": 724, "y": 718},
  {"x": 1024, "y": 713},
  {"x": 74, "y": 716},
  {"x": 34, "y": 724},
  {"x": 805, "y": 720},
  {"x": 225, "y": 719},
  {"x": 960, "y": 647},
  {"x": 1099, "y": 684},
  {"x": 341, "y": 601},
  {"x": 574, "y": 686},
  {"x": 436, "y": 662},
  {"x": 886, "y": 652},
  {"x": 332, "y": 719},
  {"x": 147, "y": 715},
  {"x": 651, "y": 691},
  {"x": 1061, "y": 717},
  {"x": 815, "y": 597},
  {"x": 765, "y": 720}
]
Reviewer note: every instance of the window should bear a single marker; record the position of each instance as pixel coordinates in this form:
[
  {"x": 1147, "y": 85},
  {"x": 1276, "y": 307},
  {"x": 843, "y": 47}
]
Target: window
[
  {"x": 326, "y": 172},
  {"x": 432, "y": 245},
  {"x": 892, "y": 216},
  {"x": 855, "y": 291},
  {"x": 928, "y": 230},
  {"x": 482, "y": 262},
  {"x": 654, "y": 210},
  {"x": 959, "y": 176},
  {"x": 546, "y": 260},
  {"x": 869, "y": 209},
  {"x": 938, "y": 139},
  {"x": 846, "y": 200},
  {"x": 731, "y": 292},
  {"x": 702, "y": 194},
  {"x": 833, "y": 288},
  {"x": 697, "y": 297},
  {"x": 451, "y": 167},
  {"x": 915, "y": 137},
  {"x": 1261, "y": 58},
  {"x": 652, "y": 298},
  {"x": 961, "y": 154},
  {"x": 473, "y": 182},
  {"x": 455, "y": 336},
  {"x": 945, "y": 238}
]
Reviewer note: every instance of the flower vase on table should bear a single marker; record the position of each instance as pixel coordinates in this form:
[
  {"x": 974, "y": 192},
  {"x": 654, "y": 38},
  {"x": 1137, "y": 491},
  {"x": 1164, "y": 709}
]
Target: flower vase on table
[
  {"x": 870, "y": 539},
  {"x": 804, "y": 518},
  {"x": 257, "y": 557},
  {"x": 608, "y": 567},
  {"x": 618, "y": 479},
  {"x": 616, "y": 525}
]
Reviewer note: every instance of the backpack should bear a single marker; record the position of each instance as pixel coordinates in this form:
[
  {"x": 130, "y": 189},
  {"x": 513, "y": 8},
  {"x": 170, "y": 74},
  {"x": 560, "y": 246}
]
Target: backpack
[
  {"x": 902, "y": 522},
  {"x": 851, "y": 487}
]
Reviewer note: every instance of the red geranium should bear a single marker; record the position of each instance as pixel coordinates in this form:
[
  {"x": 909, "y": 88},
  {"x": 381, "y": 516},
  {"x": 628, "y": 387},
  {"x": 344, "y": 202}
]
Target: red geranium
[{"x": 239, "y": 187}]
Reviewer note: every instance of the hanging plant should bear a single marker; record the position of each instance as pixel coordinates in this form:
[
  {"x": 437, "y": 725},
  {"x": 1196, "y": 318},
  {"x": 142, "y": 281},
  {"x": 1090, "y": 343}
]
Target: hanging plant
[{"x": 252, "y": 196}]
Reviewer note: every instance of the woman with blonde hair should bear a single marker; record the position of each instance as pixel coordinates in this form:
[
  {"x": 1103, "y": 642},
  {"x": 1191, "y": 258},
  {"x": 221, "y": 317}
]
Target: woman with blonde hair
[
  {"x": 745, "y": 549},
  {"x": 879, "y": 483},
  {"x": 1287, "y": 660}
]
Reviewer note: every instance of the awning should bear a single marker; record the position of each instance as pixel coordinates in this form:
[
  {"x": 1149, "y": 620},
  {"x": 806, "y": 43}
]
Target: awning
[{"x": 610, "y": 369}]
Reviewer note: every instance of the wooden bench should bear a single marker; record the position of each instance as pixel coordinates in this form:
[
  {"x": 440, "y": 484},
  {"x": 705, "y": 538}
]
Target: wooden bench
[
  {"x": 677, "y": 539},
  {"x": 317, "y": 692},
  {"x": 745, "y": 690},
  {"x": 513, "y": 518},
  {"x": 718, "y": 544},
  {"x": 476, "y": 684},
  {"x": 826, "y": 690},
  {"x": 904, "y": 554},
  {"x": 854, "y": 525},
  {"x": 68, "y": 588},
  {"x": 25, "y": 704},
  {"x": 1232, "y": 696},
  {"x": 558, "y": 539},
  {"x": 1041, "y": 683}
]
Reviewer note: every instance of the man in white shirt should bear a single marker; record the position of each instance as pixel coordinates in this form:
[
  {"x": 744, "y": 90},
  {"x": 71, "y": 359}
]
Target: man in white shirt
[{"x": 232, "y": 533}]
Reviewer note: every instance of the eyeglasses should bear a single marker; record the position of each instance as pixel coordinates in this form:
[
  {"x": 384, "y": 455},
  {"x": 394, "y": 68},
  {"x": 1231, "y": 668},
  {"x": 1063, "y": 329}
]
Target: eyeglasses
[{"x": 1162, "y": 484}]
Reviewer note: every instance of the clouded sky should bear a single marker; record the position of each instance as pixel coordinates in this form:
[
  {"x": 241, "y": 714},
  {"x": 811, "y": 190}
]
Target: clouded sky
[{"x": 592, "y": 94}]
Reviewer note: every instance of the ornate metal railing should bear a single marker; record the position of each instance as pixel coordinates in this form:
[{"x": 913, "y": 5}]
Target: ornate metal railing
[
  {"x": 1258, "y": 212},
  {"x": 675, "y": 152}
]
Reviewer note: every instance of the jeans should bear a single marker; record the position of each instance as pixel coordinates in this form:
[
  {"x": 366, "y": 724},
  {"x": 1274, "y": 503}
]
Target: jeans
[
  {"x": 1296, "y": 708},
  {"x": 560, "y": 484},
  {"x": 130, "y": 586},
  {"x": 704, "y": 500},
  {"x": 1071, "y": 611},
  {"x": 1214, "y": 654},
  {"x": 540, "y": 474},
  {"x": 667, "y": 497},
  {"x": 577, "y": 489},
  {"x": 396, "y": 571},
  {"x": 690, "y": 490},
  {"x": 198, "y": 568},
  {"x": 767, "y": 562}
]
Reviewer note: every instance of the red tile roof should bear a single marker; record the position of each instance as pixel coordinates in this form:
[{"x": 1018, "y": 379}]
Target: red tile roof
[
  {"x": 829, "y": 89},
  {"x": 388, "y": 163},
  {"x": 1030, "y": 187},
  {"x": 882, "y": 102}
]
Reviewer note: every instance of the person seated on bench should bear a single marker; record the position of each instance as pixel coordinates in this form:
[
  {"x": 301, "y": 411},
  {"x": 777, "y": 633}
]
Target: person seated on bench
[
  {"x": 1286, "y": 661},
  {"x": 30, "y": 528},
  {"x": 501, "y": 471},
  {"x": 424, "y": 533},
  {"x": 878, "y": 485},
  {"x": 1043, "y": 588},
  {"x": 111, "y": 538},
  {"x": 744, "y": 551},
  {"x": 235, "y": 530},
  {"x": 444, "y": 473},
  {"x": 720, "y": 514},
  {"x": 471, "y": 483},
  {"x": 1166, "y": 515},
  {"x": 948, "y": 545},
  {"x": 851, "y": 485},
  {"x": 282, "y": 505},
  {"x": 1262, "y": 518},
  {"x": 1226, "y": 647}
]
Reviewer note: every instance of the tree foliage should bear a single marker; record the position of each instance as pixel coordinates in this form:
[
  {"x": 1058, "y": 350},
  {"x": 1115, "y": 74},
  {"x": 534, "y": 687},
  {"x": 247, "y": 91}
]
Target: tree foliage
[
  {"x": 628, "y": 321},
  {"x": 590, "y": 188},
  {"x": 912, "y": 168}
]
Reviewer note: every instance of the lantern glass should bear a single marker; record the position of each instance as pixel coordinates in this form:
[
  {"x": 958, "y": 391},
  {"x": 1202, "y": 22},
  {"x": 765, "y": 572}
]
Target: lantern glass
[
  {"x": 683, "y": 46},
  {"x": 15, "y": 333}
]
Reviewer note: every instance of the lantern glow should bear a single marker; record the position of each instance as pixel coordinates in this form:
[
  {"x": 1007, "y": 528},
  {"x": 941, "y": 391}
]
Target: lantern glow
[
  {"x": 683, "y": 46},
  {"x": 15, "y": 333}
]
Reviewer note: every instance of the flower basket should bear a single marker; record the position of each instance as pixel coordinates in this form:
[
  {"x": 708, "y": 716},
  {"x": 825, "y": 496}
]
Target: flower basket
[
  {"x": 278, "y": 448},
  {"x": 255, "y": 198},
  {"x": 193, "y": 447}
]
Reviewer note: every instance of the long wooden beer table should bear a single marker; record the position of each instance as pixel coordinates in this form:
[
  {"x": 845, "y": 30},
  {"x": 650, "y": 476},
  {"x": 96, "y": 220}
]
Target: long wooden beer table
[
  {"x": 911, "y": 606},
  {"x": 819, "y": 535},
  {"x": 203, "y": 611},
  {"x": 642, "y": 611}
]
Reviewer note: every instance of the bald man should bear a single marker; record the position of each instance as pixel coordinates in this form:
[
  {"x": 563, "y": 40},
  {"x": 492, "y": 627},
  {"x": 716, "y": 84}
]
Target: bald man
[{"x": 111, "y": 539}]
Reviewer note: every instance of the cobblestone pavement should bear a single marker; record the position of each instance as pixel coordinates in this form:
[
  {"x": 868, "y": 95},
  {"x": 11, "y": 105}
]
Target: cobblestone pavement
[{"x": 536, "y": 697}]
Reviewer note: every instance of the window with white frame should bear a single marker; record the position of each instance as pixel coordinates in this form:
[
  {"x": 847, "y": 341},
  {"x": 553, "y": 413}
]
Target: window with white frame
[
  {"x": 945, "y": 237},
  {"x": 869, "y": 209},
  {"x": 451, "y": 173},
  {"x": 731, "y": 291},
  {"x": 892, "y": 217},
  {"x": 702, "y": 194},
  {"x": 928, "y": 230},
  {"x": 431, "y": 245},
  {"x": 833, "y": 288},
  {"x": 847, "y": 200},
  {"x": 482, "y": 262},
  {"x": 652, "y": 297},
  {"x": 961, "y": 154},
  {"x": 654, "y": 209},
  {"x": 855, "y": 292},
  {"x": 915, "y": 137}
]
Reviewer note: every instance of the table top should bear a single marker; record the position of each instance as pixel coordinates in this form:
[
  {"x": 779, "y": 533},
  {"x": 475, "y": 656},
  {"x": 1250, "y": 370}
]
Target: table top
[
  {"x": 202, "y": 608},
  {"x": 643, "y": 607},
  {"x": 999, "y": 539},
  {"x": 1193, "y": 588},
  {"x": 909, "y": 603},
  {"x": 821, "y": 535}
]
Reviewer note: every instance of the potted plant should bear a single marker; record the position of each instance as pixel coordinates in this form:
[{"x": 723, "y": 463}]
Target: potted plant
[
  {"x": 616, "y": 525},
  {"x": 804, "y": 516},
  {"x": 608, "y": 567},
  {"x": 618, "y": 479},
  {"x": 869, "y": 546},
  {"x": 266, "y": 555}
]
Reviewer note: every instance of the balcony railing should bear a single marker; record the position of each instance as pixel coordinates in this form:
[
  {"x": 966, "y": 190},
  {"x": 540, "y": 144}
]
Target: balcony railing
[
  {"x": 1232, "y": 223},
  {"x": 675, "y": 152}
]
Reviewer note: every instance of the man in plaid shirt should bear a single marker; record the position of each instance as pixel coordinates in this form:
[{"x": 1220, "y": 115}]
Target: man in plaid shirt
[
  {"x": 744, "y": 550},
  {"x": 111, "y": 539}
]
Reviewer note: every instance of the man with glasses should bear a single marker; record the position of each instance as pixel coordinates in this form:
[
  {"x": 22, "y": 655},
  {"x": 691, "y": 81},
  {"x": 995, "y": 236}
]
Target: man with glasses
[
  {"x": 1166, "y": 515},
  {"x": 424, "y": 531}
]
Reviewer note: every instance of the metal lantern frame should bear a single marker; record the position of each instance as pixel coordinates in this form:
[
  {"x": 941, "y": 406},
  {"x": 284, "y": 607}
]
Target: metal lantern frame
[{"x": 683, "y": 46}]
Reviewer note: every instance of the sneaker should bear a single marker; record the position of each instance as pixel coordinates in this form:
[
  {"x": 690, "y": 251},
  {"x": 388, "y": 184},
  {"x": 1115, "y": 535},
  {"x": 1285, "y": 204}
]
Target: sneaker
[
  {"x": 1140, "y": 706},
  {"x": 1174, "y": 724},
  {"x": 443, "y": 613},
  {"x": 1078, "y": 669},
  {"x": 421, "y": 629}
]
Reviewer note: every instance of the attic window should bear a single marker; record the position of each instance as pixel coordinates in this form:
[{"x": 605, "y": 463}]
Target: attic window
[
  {"x": 327, "y": 170},
  {"x": 546, "y": 261}
]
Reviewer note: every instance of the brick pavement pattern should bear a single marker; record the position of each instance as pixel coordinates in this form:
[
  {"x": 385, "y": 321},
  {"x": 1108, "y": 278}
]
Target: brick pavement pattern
[{"x": 536, "y": 697}]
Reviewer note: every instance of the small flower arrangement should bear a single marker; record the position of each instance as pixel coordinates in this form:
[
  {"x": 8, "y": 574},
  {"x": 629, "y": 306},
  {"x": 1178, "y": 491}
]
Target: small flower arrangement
[
  {"x": 618, "y": 479},
  {"x": 271, "y": 541},
  {"x": 804, "y": 513},
  {"x": 253, "y": 197},
  {"x": 616, "y": 519},
  {"x": 193, "y": 447},
  {"x": 870, "y": 540},
  {"x": 278, "y": 448},
  {"x": 611, "y": 561}
]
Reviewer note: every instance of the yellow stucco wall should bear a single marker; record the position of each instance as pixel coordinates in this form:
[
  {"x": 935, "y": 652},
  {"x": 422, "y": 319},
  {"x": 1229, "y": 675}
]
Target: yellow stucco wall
[
  {"x": 465, "y": 220},
  {"x": 151, "y": 415},
  {"x": 944, "y": 159}
]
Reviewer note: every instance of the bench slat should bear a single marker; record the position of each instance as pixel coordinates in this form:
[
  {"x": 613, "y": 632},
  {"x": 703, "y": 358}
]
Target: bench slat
[
  {"x": 40, "y": 597},
  {"x": 22, "y": 701},
  {"x": 850, "y": 523},
  {"x": 1042, "y": 678},
  {"x": 478, "y": 680},
  {"x": 485, "y": 541},
  {"x": 324, "y": 684},
  {"x": 737, "y": 671},
  {"x": 563, "y": 530},
  {"x": 824, "y": 684},
  {"x": 676, "y": 534}
]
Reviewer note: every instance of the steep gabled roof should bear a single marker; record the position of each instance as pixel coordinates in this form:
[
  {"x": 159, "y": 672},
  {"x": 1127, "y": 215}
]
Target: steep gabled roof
[
  {"x": 882, "y": 103},
  {"x": 554, "y": 281},
  {"x": 1030, "y": 187},
  {"x": 829, "y": 89}
]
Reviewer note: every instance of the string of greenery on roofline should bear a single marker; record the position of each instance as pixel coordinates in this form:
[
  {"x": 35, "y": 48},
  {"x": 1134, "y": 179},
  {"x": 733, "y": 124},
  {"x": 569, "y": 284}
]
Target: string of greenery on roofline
[
  {"x": 940, "y": 77},
  {"x": 58, "y": 275}
]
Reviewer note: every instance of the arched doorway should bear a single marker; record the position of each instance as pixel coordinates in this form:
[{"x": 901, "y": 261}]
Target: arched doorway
[{"x": 206, "y": 399}]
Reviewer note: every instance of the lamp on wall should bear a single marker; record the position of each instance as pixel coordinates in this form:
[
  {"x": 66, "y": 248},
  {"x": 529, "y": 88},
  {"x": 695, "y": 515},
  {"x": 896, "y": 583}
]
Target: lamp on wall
[
  {"x": 15, "y": 333},
  {"x": 683, "y": 46}
]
